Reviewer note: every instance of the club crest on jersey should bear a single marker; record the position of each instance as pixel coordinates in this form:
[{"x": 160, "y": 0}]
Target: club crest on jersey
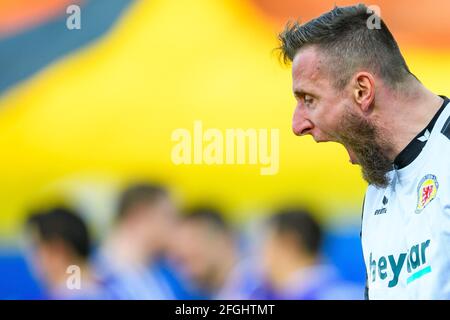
[{"x": 426, "y": 191}]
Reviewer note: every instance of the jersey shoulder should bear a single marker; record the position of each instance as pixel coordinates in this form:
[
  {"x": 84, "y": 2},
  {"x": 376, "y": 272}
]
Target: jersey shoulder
[
  {"x": 445, "y": 131},
  {"x": 441, "y": 144}
]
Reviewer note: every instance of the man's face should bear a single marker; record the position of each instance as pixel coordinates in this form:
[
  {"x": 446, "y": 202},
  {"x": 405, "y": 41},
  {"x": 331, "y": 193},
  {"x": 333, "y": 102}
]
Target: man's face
[
  {"x": 50, "y": 260},
  {"x": 154, "y": 222},
  {"x": 328, "y": 114},
  {"x": 197, "y": 248},
  {"x": 274, "y": 252},
  {"x": 319, "y": 107}
]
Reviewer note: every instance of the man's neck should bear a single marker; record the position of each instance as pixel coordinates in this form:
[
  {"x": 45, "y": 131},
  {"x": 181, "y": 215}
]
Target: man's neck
[
  {"x": 290, "y": 267},
  {"x": 126, "y": 251},
  {"x": 61, "y": 279},
  {"x": 222, "y": 272},
  {"x": 405, "y": 115}
]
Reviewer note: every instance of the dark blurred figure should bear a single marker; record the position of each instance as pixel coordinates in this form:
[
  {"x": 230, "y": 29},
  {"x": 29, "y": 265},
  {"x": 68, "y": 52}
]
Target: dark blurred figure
[
  {"x": 129, "y": 260},
  {"x": 293, "y": 264},
  {"x": 207, "y": 251},
  {"x": 61, "y": 247}
]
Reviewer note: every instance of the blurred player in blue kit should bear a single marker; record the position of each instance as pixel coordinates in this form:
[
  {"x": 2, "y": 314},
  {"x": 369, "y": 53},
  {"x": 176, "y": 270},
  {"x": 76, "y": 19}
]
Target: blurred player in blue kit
[
  {"x": 60, "y": 249},
  {"x": 292, "y": 263},
  {"x": 132, "y": 260},
  {"x": 207, "y": 250}
]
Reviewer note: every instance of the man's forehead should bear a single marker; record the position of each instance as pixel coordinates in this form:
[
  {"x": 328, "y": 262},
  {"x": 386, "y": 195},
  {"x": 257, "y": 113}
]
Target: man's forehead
[{"x": 307, "y": 65}]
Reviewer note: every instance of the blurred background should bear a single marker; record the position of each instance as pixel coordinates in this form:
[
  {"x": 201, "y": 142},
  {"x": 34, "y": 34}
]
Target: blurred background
[{"x": 87, "y": 115}]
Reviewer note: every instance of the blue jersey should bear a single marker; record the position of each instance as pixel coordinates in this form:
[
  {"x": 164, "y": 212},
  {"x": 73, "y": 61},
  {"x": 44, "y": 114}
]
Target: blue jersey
[
  {"x": 131, "y": 283},
  {"x": 320, "y": 282}
]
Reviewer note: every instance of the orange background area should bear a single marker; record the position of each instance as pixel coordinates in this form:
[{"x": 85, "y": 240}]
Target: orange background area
[
  {"x": 16, "y": 15},
  {"x": 427, "y": 24}
]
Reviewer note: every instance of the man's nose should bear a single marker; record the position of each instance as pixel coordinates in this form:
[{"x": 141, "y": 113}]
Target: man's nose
[{"x": 300, "y": 124}]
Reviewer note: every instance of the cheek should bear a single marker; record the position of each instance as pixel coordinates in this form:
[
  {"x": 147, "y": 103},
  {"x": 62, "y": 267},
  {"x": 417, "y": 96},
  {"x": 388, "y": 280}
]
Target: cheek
[
  {"x": 269, "y": 254},
  {"x": 45, "y": 261},
  {"x": 329, "y": 122},
  {"x": 198, "y": 261}
]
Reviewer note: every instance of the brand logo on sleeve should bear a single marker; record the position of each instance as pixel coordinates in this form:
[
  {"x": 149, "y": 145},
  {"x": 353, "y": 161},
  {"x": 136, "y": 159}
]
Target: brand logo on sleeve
[{"x": 426, "y": 191}]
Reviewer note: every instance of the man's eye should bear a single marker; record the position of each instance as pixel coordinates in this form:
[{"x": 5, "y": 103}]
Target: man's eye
[{"x": 308, "y": 100}]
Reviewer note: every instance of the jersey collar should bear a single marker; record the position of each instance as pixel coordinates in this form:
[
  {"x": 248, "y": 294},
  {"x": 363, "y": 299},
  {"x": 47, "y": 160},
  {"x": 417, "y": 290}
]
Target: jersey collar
[{"x": 412, "y": 150}]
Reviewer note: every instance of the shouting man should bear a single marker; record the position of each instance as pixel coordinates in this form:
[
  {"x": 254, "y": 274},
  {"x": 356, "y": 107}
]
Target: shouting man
[{"x": 352, "y": 86}]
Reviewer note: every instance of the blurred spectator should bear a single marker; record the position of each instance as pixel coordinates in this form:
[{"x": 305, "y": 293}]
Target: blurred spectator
[
  {"x": 206, "y": 249},
  {"x": 292, "y": 262},
  {"x": 129, "y": 259},
  {"x": 61, "y": 246}
]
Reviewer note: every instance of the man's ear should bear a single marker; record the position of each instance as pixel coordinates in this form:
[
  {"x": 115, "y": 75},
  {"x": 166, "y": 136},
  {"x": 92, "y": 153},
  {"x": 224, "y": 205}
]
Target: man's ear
[{"x": 364, "y": 91}]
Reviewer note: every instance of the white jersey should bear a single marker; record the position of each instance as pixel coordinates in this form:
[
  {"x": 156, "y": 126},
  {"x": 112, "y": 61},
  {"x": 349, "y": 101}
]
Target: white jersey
[{"x": 406, "y": 226}]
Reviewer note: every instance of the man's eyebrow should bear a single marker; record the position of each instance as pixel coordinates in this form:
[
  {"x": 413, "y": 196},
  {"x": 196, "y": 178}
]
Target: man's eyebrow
[{"x": 300, "y": 92}]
